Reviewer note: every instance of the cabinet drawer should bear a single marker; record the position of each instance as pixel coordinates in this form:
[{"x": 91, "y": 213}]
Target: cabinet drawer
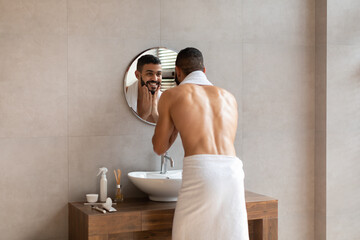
[
  {"x": 114, "y": 223},
  {"x": 157, "y": 219}
]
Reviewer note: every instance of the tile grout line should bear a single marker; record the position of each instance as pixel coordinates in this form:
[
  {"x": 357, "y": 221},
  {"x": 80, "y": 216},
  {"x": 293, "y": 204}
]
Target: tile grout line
[
  {"x": 67, "y": 109},
  {"x": 160, "y": 23},
  {"x": 242, "y": 82}
]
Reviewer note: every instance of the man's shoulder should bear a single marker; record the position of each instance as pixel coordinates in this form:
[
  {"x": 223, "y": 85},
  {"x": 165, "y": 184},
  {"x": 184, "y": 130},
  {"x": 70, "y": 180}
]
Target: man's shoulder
[
  {"x": 167, "y": 93},
  {"x": 226, "y": 94},
  {"x": 172, "y": 91},
  {"x": 167, "y": 96},
  {"x": 223, "y": 91},
  {"x": 188, "y": 88}
]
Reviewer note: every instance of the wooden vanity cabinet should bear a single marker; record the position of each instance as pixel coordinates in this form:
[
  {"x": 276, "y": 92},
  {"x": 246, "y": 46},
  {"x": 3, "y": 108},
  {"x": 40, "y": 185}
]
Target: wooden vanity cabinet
[{"x": 145, "y": 219}]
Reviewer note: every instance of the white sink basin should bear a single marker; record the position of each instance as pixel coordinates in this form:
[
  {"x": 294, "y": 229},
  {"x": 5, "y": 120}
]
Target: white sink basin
[{"x": 159, "y": 187}]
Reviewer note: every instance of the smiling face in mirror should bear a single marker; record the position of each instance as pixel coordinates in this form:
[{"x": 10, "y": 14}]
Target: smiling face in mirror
[
  {"x": 148, "y": 86},
  {"x": 150, "y": 77},
  {"x": 150, "y": 74}
]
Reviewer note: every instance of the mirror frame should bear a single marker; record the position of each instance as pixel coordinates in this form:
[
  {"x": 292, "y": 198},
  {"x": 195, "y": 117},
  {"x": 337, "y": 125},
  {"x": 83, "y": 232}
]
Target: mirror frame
[{"x": 125, "y": 77}]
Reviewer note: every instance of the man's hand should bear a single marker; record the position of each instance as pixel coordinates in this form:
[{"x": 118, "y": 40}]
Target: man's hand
[
  {"x": 154, "y": 103},
  {"x": 144, "y": 107}
]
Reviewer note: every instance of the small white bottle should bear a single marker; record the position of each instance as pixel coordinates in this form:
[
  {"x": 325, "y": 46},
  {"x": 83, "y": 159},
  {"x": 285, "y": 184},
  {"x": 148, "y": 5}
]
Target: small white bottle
[{"x": 103, "y": 184}]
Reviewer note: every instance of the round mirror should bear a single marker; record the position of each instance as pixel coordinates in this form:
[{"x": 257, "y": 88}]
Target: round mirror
[{"x": 150, "y": 74}]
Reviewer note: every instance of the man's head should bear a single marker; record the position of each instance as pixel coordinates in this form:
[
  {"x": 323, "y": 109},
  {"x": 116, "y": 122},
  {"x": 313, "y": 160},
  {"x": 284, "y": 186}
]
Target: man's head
[
  {"x": 148, "y": 72},
  {"x": 189, "y": 60},
  {"x": 147, "y": 59}
]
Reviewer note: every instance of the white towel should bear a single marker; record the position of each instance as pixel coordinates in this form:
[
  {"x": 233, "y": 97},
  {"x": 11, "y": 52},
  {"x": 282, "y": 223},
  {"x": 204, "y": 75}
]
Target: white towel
[
  {"x": 196, "y": 77},
  {"x": 211, "y": 203},
  {"x": 132, "y": 95}
]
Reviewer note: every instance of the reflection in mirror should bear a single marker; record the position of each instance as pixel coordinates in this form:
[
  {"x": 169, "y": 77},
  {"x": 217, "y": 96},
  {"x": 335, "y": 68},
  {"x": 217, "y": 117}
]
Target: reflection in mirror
[{"x": 148, "y": 76}]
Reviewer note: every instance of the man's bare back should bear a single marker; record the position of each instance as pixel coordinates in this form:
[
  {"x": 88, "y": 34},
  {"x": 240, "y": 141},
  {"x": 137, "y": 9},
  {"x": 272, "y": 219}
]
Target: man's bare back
[{"x": 205, "y": 116}]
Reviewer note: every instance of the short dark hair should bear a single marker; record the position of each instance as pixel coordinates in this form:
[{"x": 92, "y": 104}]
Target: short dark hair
[
  {"x": 190, "y": 59},
  {"x": 147, "y": 59}
]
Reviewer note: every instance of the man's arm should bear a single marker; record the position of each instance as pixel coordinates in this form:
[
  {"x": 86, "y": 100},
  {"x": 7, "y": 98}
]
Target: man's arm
[
  {"x": 144, "y": 106},
  {"x": 165, "y": 131},
  {"x": 154, "y": 108}
]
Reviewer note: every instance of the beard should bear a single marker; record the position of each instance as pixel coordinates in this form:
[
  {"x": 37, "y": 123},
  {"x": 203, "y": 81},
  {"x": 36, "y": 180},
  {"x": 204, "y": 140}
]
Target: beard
[{"x": 152, "y": 89}]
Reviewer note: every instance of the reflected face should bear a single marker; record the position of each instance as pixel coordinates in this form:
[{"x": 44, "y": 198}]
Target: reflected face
[
  {"x": 154, "y": 78},
  {"x": 151, "y": 76}
]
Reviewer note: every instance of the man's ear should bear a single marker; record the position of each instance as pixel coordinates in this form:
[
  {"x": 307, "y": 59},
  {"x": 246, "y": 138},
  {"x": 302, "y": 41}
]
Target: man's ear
[
  {"x": 177, "y": 72},
  {"x": 204, "y": 70},
  {"x": 137, "y": 74}
]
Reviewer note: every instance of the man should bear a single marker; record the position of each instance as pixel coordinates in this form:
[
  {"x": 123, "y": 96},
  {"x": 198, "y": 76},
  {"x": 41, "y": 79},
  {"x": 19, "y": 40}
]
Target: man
[
  {"x": 211, "y": 202},
  {"x": 143, "y": 95}
]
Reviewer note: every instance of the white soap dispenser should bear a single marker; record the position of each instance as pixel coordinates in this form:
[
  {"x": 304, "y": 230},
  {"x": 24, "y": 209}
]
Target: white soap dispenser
[{"x": 103, "y": 184}]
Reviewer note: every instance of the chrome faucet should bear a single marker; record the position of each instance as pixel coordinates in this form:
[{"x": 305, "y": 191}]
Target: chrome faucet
[{"x": 164, "y": 158}]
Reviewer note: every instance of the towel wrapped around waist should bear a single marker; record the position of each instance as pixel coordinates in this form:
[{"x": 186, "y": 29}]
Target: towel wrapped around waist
[{"x": 211, "y": 203}]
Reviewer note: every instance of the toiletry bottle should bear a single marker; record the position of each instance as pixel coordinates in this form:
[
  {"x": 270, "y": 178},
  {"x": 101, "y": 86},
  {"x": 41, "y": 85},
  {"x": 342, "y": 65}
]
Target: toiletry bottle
[
  {"x": 103, "y": 184},
  {"x": 119, "y": 197}
]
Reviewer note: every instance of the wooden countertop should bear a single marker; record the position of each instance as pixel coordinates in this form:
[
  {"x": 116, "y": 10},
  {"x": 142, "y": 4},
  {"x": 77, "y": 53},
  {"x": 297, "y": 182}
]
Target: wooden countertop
[
  {"x": 255, "y": 203},
  {"x": 140, "y": 218}
]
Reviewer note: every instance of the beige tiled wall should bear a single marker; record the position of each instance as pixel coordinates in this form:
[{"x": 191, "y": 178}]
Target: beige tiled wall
[
  {"x": 34, "y": 187},
  {"x": 320, "y": 119},
  {"x": 278, "y": 130},
  {"x": 343, "y": 141},
  {"x": 278, "y": 109},
  {"x": 337, "y": 126},
  {"x": 33, "y": 120},
  {"x": 343, "y": 18},
  {"x": 279, "y": 21},
  {"x": 63, "y": 113}
]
